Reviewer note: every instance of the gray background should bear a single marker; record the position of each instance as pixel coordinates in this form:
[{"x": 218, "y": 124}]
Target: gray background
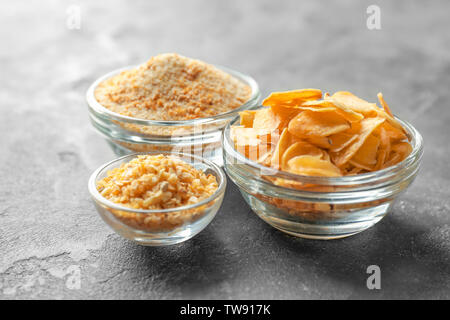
[{"x": 49, "y": 227}]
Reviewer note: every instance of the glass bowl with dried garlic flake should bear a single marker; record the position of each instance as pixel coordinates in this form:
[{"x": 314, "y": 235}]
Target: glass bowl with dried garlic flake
[
  {"x": 169, "y": 103},
  {"x": 321, "y": 167},
  {"x": 158, "y": 199}
]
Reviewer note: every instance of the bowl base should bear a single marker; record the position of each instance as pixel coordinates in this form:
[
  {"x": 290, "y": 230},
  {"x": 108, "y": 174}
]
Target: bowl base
[
  {"x": 335, "y": 225},
  {"x": 162, "y": 238},
  {"x": 320, "y": 237},
  {"x": 159, "y": 242},
  {"x": 325, "y": 232}
]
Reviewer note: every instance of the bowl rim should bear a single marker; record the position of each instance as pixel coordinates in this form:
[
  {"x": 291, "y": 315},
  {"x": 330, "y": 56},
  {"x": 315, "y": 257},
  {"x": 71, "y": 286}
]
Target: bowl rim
[
  {"x": 96, "y": 107},
  {"x": 98, "y": 197},
  {"x": 354, "y": 180}
]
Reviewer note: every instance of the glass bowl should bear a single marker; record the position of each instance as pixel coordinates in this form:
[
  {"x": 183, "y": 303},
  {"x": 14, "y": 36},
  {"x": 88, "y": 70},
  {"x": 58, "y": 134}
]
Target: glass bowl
[
  {"x": 321, "y": 207},
  {"x": 200, "y": 136},
  {"x": 159, "y": 227}
]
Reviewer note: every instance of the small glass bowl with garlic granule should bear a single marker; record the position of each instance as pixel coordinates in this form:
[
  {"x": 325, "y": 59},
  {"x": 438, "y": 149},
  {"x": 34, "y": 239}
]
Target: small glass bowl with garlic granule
[
  {"x": 158, "y": 198},
  {"x": 169, "y": 103},
  {"x": 321, "y": 166}
]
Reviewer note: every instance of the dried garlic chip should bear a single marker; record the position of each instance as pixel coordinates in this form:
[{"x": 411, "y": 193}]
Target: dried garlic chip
[
  {"x": 280, "y": 149},
  {"x": 398, "y": 153},
  {"x": 354, "y": 170},
  {"x": 317, "y": 124},
  {"x": 314, "y": 109},
  {"x": 384, "y": 104},
  {"x": 254, "y": 151},
  {"x": 367, "y": 153},
  {"x": 292, "y": 98},
  {"x": 285, "y": 113},
  {"x": 384, "y": 149},
  {"x": 253, "y": 143},
  {"x": 266, "y": 119},
  {"x": 340, "y": 140},
  {"x": 394, "y": 134},
  {"x": 312, "y": 166},
  {"x": 367, "y": 127},
  {"x": 247, "y": 117},
  {"x": 349, "y": 100},
  {"x": 321, "y": 142},
  {"x": 347, "y": 113},
  {"x": 300, "y": 148},
  {"x": 264, "y": 159},
  {"x": 243, "y": 135}
]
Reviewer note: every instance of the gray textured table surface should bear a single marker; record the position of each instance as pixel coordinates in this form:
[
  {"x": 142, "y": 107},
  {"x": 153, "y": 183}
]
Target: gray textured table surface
[{"x": 49, "y": 230}]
